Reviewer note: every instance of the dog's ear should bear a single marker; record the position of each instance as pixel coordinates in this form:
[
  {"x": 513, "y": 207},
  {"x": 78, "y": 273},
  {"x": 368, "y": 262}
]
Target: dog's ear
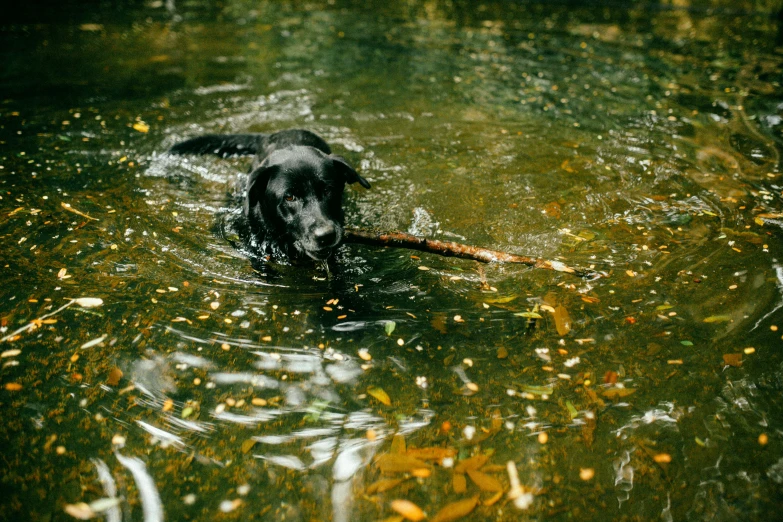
[
  {"x": 351, "y": 176},
  {"x": 256, "y": 186}
]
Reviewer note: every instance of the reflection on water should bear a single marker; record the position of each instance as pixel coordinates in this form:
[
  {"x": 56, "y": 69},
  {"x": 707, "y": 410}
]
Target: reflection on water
[{"x": 642, "y": 141}]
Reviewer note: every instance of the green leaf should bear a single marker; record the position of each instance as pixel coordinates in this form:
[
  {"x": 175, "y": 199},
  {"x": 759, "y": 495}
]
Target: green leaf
[
  {"x": 717, "y": 319},
  {"x": 529, "y": 315},
  {"x": 389, "y": 327},
  {"x": 571, "y": 409},
  {"x": 686, "y": 343}
]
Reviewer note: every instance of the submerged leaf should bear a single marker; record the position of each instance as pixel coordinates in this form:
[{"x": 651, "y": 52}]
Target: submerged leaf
[
  {"x": 616, "y": 393},
  {"x": 562, "y": 320},
  {"x": 484, "y": 482},
  {"x": 459, "y": 483},
  {"x": 380, "y": 394},
  {"x": 474, "y": 462},
  {"x": 433, "y": 453},
  {"x": 456, "y": 510},
  {"x": 537, "y": 390},
  {"x": 408, "y": 509},
  {"x": 88, "y": 302},
  {"x": 389, "y": 327},
  {"x": 717, "y": 319},
  {"x": 398, "y": 443},
  {"x": 732, "y": 359},
  {"x": 379, "y": 486},
  {"x": 396, "y": 463},
  {"x": 529, "y": 315}
]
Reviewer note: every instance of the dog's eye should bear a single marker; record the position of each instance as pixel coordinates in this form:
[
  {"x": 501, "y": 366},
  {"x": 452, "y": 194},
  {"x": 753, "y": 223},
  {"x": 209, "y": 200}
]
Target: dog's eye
[{"x": 290, "y": 197}]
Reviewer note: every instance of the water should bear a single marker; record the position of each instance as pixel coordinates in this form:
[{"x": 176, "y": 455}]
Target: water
[{"x": 640, "y": 140}]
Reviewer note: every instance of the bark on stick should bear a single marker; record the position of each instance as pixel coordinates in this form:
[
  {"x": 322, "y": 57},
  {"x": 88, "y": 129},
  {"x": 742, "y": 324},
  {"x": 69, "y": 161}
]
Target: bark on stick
[{"x": 450, "y": 249}]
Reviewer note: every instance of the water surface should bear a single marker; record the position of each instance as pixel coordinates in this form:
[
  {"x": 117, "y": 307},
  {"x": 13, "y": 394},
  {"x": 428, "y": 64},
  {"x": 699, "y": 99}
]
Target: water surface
[{"x": 643, "y": 142}]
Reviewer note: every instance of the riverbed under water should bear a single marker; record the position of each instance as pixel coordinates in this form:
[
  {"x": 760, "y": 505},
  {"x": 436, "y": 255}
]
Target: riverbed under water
[{"x": 641, "y": 141}]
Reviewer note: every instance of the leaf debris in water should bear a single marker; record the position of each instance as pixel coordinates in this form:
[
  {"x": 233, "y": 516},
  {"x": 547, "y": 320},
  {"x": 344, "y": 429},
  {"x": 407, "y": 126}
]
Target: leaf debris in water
[
  {"x": 616, "y": 393},
  {"x": 562, "y": 320},
  {"x": 474, "y": 462},
  {"x": 396, "y": 463},
  {"x": 379, "y": 486},
  {"x": 483, "y": 481},
  {"x": 94, "y": 342},
  {"x": 389, "y": 327},
  {"x": 114, "y": 377},
  {"x": 379, "y": 394},
  {"x": 88, "y": 302},
  {"x": 69, "y": 208},
  {"x": 732, "y": 359},
  {"x": 717, "y": 319},
  {"x": 456, "y": 510},
  {"x": 408, "y": 509}
]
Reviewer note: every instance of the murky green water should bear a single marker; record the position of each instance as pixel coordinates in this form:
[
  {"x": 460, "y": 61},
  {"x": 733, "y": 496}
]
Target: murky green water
[{"x": 642, "y": 141}]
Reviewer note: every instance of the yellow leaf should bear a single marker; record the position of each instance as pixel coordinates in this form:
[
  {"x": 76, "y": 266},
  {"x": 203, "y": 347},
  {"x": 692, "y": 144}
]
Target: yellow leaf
[
  {"x": 456, "y": 510},
  {"x": 472, "y": 463},
  {"x": 562, "y": 320},
  {"x": 141, "y": 126},
  {"x": 396, "y": 463},
  {"x": 485, "y": 482},
  {"x": 616, "y": 393},
  {"x": 432, "y": 453},
  {"x": 380, "y": 394},
  {"x": 408, "y": 509},
  {"x": 379, "y": 486}
]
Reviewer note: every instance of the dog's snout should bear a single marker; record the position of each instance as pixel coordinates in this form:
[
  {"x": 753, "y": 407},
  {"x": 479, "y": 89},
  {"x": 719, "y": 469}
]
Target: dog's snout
[{"x": 325, "y": 235}]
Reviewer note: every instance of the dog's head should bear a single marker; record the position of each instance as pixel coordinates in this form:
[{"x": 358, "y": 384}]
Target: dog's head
[{"x": 294, "y": 198}]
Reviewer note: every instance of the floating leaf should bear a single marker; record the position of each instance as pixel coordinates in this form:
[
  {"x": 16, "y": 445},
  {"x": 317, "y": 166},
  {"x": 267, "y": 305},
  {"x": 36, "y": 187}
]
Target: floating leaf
[
  {"x": 389, "y": 327},
  {"x": 686, "y": 343},
  {"x": 141, "y": 126},
  {"x": 484, "y": 482},
  {"x": 717, "y": 319},
  {"x": 379, "y": 394},
  {"x": 456, "y": 510},
  {"x": 662, "y": 307},
  {"x": 408, "y": 509}
]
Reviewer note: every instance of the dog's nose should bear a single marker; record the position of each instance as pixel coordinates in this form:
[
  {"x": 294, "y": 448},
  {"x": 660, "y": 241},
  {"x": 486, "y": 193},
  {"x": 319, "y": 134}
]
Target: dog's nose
[{"x": 325, "y": 235}]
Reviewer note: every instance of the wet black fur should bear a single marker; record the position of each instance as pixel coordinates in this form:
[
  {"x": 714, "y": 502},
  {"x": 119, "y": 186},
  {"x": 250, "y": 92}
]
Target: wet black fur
[{"x": 293, "y": 196}]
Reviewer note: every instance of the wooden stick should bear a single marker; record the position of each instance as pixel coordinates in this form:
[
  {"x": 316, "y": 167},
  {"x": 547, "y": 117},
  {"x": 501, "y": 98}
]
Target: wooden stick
[{"x": 449, "y": 249}]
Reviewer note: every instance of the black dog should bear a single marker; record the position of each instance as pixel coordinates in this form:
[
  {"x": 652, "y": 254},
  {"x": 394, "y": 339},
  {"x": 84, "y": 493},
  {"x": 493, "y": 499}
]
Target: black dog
[{"x": 293, "y": 197}]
